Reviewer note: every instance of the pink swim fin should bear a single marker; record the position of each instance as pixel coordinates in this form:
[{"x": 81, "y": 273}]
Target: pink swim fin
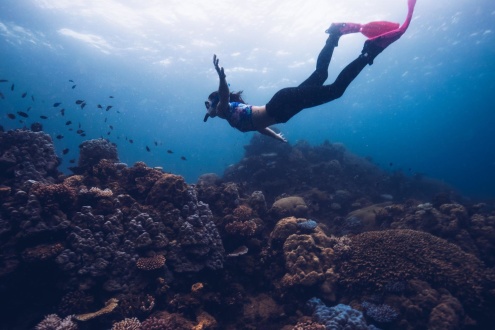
[
  {"x": 374, "y": 29},
  {"x": 389, "y": 37}
]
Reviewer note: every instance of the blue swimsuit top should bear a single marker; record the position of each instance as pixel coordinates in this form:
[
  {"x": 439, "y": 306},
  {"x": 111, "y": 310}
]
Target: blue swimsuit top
[{"x": 240, "y": 116}]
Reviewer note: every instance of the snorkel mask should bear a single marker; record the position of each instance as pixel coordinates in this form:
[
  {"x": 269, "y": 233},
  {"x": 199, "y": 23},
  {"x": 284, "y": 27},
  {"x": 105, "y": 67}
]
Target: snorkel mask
[{"x": 211, "y": 105}]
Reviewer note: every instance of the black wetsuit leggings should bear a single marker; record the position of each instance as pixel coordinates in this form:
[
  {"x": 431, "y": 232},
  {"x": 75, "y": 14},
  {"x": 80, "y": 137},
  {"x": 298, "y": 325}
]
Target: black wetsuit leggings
[{"x": 288, "y": 102}]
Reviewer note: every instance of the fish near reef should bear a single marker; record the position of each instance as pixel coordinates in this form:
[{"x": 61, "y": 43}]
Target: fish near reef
[
  {"x": 56, "y": 104},
  {"x": 22, "y": 114}
]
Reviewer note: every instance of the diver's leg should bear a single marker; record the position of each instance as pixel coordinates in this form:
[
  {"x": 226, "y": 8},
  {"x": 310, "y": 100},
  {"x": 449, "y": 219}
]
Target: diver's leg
[
  {"x": 289, "y": 101},
  {"x": 335, "y": 31},
  {"x": 320, "y": 75}
]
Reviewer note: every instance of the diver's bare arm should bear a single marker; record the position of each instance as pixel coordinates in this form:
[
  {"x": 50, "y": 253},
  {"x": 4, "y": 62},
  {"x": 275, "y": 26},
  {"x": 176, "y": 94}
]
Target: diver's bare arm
[
  {"x": 269, "y": 132},
  {"x": 223, "y": 88}
]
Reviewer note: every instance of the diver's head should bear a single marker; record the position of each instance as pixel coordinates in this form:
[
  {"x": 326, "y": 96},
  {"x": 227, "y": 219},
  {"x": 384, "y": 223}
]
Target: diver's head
[{"x": 211, "y": 105}]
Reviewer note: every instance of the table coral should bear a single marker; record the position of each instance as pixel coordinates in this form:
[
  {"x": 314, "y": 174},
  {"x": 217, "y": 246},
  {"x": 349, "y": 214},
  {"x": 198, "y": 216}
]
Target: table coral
[
  {"x": 376, "y": 258},
  {"x": 110, "y": 305}
]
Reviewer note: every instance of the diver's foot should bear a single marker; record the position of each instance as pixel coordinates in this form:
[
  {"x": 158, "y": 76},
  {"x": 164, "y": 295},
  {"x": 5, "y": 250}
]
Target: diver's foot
[
  {"x": 343, "y": 28},
  {"x": 374, "y": 46},
  {"x": 336, "y": 30}
]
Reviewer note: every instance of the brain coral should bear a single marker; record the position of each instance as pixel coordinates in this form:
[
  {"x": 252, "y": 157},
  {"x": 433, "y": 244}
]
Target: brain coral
[{"x": 378, "y": 257}]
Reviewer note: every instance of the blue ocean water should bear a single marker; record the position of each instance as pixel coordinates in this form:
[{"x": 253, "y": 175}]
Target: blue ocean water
[{"x": 425, "y": 106}]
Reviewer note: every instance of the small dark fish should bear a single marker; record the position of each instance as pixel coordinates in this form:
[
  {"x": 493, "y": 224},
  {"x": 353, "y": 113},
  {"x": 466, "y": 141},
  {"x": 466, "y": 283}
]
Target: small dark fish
[
  {"x": 72, "y": 161},
  {"x": 105, "y": 119},
  {"x": 118, "y": 111},
  {"x": 111, "y": 127},
  {"x": 43, "y": 117},
  {"x": 131, "y": 141},
  {"x": 74, "y": 86},
  {"x": 111, "y": 96},
  {"x": 11, "y": 115},
  {"x": 62, "y": 112},
  {"x": 170, "y": 151},
  {"x": 56, "y": 104},
  {"x": 12, "y": 87},
  {"x": 70, "y": 80},
  {"x": 79, "y": 101},
  {"x": 29, "y": 108},
  {"x": 109, "y": 107},
  {"x": 2, "y": 97},
  {"x": 156, "y": 144},
  {"x": 99, "y": 106},
  {"x": 24, "y": 94},
  {"x": 68, "y": 122},
  {"x": 65, "y": 151},
  {"x": 83, "y": 105},
  {"x": 391, "y": 164},
  {"x": 148, "y": 149},
  {"x": 3, "y": 80},
  {"x": 32, "y": 98},
  {"x": 108, "y": 133},
  {"x": 22, "y": 114},
  {"x": 183, "y": 158},
  {"x": 83, "y": 134},
  {"x": 60, "y": 136},
  {"x": 79, "y": 131}
]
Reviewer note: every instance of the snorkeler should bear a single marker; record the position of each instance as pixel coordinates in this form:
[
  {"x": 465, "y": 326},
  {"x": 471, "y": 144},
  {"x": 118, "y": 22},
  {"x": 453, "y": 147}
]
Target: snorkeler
[{"x": 289, "y": 101}]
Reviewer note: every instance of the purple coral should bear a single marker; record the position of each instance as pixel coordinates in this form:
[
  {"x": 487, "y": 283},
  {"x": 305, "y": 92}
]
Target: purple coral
[
  {"x": 381, "y": 313},
  {"x": 27, "y": 155},
  {"x": 339, "y": 317},
  {"x": 92, "y": 151}
]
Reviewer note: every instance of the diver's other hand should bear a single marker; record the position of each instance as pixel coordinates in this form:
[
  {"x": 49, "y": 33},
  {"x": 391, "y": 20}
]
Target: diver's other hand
[
  {"x": 219, "y": 69},
  {"x": 281, "y": 137}
]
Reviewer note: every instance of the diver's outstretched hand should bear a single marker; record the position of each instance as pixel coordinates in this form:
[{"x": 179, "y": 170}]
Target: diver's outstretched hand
[
  {"x": 281, "y": 137},
  {"x": 219, "y": 69}
]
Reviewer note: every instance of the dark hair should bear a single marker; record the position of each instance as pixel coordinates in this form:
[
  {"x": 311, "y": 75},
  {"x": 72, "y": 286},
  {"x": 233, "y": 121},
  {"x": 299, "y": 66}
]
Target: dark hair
[{"x": 234, "y": 97}]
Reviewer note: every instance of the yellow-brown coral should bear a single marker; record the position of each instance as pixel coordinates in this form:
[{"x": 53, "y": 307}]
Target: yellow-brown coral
[
  {"x": 168, "y": 189},
  {"x": 42, "y": 252},
  {"x": 127, "y": 324},
  {"x": 110, "y": 305},
  {"x": 151, "y": 263},
  {"x": 197, "y": 287},
  {"x": 205, "y": 321},
  {"x": 97, "y": 192},
  {"x": 54, "y": 196}
]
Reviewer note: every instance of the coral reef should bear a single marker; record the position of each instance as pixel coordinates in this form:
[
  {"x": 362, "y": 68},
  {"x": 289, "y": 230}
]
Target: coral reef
[
  {"x": 27, "y": 155},
  {"x": 374, "y": 249}
]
